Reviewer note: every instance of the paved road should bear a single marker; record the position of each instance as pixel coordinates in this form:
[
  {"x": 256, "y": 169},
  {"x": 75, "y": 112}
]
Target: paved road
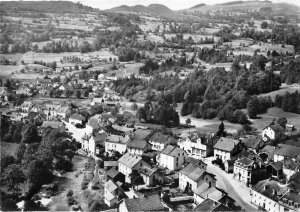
[{"x": 237, "y": 191}]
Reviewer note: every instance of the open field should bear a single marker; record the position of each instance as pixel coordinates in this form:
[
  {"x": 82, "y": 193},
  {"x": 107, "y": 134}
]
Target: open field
[
  {"x": 264, "y": 47},
  {"x": 283, "y": 89},
  {"x": 275, "y": 113},
  {"x": 8, "y": 148},
  {"x": 50, "y": 57},
  {"x": 210, "y": 125},
  {"x": 195, "y": 37}
]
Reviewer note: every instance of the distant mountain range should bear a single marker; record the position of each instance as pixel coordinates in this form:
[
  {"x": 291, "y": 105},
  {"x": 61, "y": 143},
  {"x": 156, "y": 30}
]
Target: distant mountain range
[{"x": 153, "y": 9}]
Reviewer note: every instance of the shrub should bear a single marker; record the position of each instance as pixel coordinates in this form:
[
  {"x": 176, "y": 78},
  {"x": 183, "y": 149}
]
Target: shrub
[
  {"x": 71, "y": 201},
  {"x": 70, "y": 193}
]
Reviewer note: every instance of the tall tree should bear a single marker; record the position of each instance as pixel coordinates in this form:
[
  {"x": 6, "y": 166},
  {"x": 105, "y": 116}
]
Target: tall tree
[{"x": 253, "y": 107}]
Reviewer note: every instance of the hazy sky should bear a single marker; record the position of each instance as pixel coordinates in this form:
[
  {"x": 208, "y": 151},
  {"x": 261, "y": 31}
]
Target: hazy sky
[{"x": 172, "y": 4}]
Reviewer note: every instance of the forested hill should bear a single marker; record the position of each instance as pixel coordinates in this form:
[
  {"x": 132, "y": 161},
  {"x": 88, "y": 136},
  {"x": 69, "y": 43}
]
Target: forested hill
[{"x": 45, "y": 6}]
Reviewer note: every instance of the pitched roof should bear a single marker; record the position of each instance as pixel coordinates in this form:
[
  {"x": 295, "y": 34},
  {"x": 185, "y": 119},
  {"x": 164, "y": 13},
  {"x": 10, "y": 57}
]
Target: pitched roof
[
  {"x": 146, "y": 171},
  {"x": 193, "y": 172},
  {"x": 226, "y": 144},
  {"x": 141, "y": 134},
  {"x": 276, "y": 128},
  {"x": 110, "y": 186},
  {"x": 110, "y": 163},
  {"x": 77, "y": 117},
  {"x": 276, "y": 165},
  {"x": 287, "y": 150},
  {"x": 245, "y": 161},
  {"x": 205, "y": 191},
  {"x": 150, "y": 203},
  {"x": 172, "y": 151},
  {"x": 252, "y": 142},
  {"x": 52, "y": 124},
  {"x": 266, "y": 188},
  {"x": 210, "y": 205},
  {"x": 161, "y": 138},
  {"x": 129, "y": 160},
  {"x": 113, "y": 172},
  {"x": 269, "y": 150},
  {"x": 141, "y": 144},
  {"x": 117, "y": 139}
]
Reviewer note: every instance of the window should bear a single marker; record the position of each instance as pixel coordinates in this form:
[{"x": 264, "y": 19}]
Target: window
[{"x": 141, "y": 164}]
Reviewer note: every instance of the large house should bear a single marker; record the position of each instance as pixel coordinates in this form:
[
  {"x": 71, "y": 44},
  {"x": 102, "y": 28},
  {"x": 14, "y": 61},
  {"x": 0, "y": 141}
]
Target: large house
[
  {"x": 285, "y": 151},
  {"x": 128, "y": 163},
  {"x": 191, "y": 176},
  {"x": 248, "y": 171},
  {"x": 225, "y": 148},
  {"x": 273, "y": 132},
  {"x": 172, "y": 157},
  {"x": 76, "y": 118},
  {"x": 159, "y": 141},
  {"x": 268, "y": 194},
  {"x": 54, "y": 110},
  {"x": 113, "y": 193},
  {"x": 138, "y": 147},
  {"x": 91, "y": 141},
  {"x": 253, "y": 144},
  {"x": 198, "y": 144},
  {"x": 116, "y": 143},
  {"x": 150, "y": 203}
]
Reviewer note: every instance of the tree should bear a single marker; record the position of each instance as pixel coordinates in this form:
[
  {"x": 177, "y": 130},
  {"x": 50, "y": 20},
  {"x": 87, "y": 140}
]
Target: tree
[
  {"x": 188, "y": 121},
  {"x": 221, "y": 132},
  {"x": 141, "y": 114},
  {"x": 68, "y": 93},
  {"x": 253, "y": 107},
  {"x": 282, "y": 121},
  {"x": 38, "y": 173},
  {"x": 135, "y": 178},
  {"x": 7, "y": 160},
  {"x": 264, "y": 25},
  {"x": 13, "y": 176},
  {"x": 134, "y": 106},
  {"x": 78, "y": 94},
  {"x": 30, "y": 134},
  {"x": 86, "y": 93}
]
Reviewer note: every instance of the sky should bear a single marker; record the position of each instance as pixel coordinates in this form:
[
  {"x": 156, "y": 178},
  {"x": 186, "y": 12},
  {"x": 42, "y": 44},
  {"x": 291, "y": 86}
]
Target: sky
[{"x": 172, "y": 4}]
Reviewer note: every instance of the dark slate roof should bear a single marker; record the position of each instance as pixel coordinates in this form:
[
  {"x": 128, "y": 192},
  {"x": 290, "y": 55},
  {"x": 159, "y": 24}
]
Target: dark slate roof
[
  {"x": 77, "y": 117},
  {"x": 113, "y": 172},
  {"x": 245, "y": 161},
  {"x": 141, "y": 134},
  {"x": 287, "y": 150},
  {"x": 276, "y": 128},
  {"x": 151, "y": 203},
  {"x": 193, "y": 172},
  {"x": 277, "y": 165},
  {"x": 226, "y": 144},
  {"x": 266, "y": 187},
  {"x": 269, "y": 150},
  {"x": 172, "y": 151},
  {"x": 160, "y": 138},
  {"x": 52, "y": 124},
  {"x": 252, "y": 142},
  {"x": 141, "y": 144},
  {"x": 211, "y": 205}
]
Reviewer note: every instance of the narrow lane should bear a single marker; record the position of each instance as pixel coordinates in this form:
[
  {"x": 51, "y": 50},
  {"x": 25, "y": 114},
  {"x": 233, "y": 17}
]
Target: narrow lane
[{"x": 225, "y": 181}]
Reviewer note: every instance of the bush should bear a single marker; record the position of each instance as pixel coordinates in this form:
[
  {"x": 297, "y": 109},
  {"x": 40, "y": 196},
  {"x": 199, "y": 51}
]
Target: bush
[
  {"x": 71, "y": 201},
  {"x": 70, "y": 193},
  {"x": 84, "y": 185}
]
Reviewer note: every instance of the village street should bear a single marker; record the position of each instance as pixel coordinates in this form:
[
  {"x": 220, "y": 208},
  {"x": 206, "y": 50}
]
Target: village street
[{"x": 240, "y": 193}]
